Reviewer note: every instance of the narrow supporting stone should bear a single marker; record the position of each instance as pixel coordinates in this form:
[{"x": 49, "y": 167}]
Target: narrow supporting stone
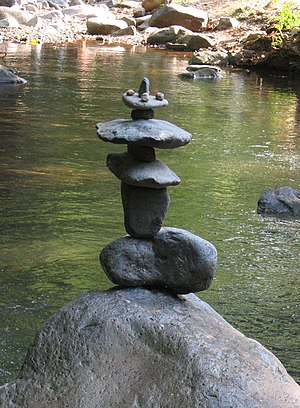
[
  {"x": 137, "y": 114},
  {"x": 144, "y": 87},
  {"x": 141, "y": 153},
  {"x": 144, "y": 209},
  {"x": 173, "y": 258}
]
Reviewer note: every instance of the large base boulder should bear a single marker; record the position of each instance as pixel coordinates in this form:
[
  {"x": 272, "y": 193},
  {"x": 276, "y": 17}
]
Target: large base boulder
[{"x": 139, "y": 348}]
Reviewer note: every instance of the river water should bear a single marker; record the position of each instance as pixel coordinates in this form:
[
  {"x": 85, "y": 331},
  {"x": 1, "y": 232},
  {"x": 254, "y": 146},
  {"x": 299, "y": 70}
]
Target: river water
[{"x": 60, "y": 205}]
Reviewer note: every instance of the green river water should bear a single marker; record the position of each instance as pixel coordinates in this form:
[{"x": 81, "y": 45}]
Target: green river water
[{"x": 60, "y": 204}]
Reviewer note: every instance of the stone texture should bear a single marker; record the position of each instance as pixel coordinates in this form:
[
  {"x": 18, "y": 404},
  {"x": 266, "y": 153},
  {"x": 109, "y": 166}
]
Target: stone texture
[
  {"x": 21, "y": 16},
  {"x": 137, "y": 348},
  {"x": 150, "y": 5},
  {"x": 152, "y": 174},
  {"x": 141, "y": 153},
  {"x": 130, "y": 30},
  {"x": 135, "y": 102},
  {"x": 153, "y": 132},
  {"x": 282, "y": 201},
  {"x": 202, "y": 72},
  {"x": 8, "y": 76},
  {"x": 174, "y": 258},
  {"x": 210, "y": 57},
  {"x": 188, "y": 17},
  {"x": 226, "y": 23},
  {"x": 169, "y": 34},
  {"x": 104, "y": 26},
  {"x": 196, "y": 41},
  {"x": 87, "y": 11},
  {"x": 144, "y": 209}
]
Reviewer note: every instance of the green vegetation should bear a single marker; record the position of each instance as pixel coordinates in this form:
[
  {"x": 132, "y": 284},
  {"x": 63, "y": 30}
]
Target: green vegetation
[{"x": 288, "y": 19}]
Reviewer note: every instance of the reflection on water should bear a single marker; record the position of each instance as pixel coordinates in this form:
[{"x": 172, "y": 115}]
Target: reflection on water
[{"x": 60, "y": 205}]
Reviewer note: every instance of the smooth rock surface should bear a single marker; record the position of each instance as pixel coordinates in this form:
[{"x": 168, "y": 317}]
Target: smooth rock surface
[
  {"x": 104, "y": 26},
  {"x": 136, "y": 348},
  {"x": 8, "y": 76},
  {"x": 145, "y": 132},
  {"x": 174, "y": 258},
  {"x": 144, "y": 209},
  {"x": 281, "y": 201},
  {"x": 152, "y": 174},
  {"x": 188, "y": 17}
]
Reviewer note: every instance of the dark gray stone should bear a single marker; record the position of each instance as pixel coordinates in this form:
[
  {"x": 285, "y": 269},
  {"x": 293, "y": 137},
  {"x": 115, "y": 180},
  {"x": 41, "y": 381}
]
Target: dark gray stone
[
  {"x": 152, "y": 174},
  {"x": 142, "y": 114},
  {"x": 141, "y": 153},
  {"x": 137, "y": 348},
  {"x": 144, "y": 209},
  {"x": 205, "y": 72},
  {"x": 135, "y": 102},
  {"x": 9, "y": 76},
  {"x": 174, "y": 258},
  {"x": 153, "y": 132},
  {"x": 281, "y": 201}
]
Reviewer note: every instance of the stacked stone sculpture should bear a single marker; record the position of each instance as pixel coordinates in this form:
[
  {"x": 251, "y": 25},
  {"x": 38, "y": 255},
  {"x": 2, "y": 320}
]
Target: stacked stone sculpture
[{"x": 151, "y": 255}]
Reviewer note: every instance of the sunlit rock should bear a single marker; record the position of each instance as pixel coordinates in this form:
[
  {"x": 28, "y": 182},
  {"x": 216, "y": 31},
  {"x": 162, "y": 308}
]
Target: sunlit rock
[
  {"x": 189, "y": 17},
  {"x": 144, "y": 348},
  {"x": 104, "y": 26}
]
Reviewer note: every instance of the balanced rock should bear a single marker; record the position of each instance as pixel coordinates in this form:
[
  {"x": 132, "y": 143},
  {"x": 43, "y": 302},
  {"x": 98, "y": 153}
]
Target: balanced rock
[
  {"x": 188, "y": 17},
  {"x": 173, "y": 258},
  {"x": 152, "y": 174},
  {"x": 152, "y": 132},
  {"x": 8, "y": 76},
  {"x": 144, "y": 209},
  {"x": 281, "y": 201},
  {"x": 139, "y": 348}
]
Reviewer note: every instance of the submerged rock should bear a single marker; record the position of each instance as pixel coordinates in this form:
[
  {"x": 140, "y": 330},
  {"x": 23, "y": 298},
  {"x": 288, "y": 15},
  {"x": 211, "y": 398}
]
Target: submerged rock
[
  {"x": 202, "y": 72},
  {"x": 9, "y": 76},
  {"x": 282, "y": 201},
  {"x": 174, "y": 258},
  {"x": 138, "y": 348}
]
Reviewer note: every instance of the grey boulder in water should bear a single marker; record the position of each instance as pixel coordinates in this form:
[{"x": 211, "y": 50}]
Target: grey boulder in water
[
  {"x": 9, "y": 76},
  {"x": 202, "y": 72},
  {"x": 280, "y": 201}
]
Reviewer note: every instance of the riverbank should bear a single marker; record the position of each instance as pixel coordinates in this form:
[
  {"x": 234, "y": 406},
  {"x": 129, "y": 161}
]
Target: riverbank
[{"x": 240, "y": 33}]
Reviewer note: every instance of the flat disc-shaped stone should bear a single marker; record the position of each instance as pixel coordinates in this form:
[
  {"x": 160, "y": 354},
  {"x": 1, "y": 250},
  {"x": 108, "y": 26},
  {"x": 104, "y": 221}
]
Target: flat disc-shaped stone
[
  {"x": 135, "y": 102},
  {"x": 174, "y": 258},
  {"x": 146, "y": 132},
  {"x": 152, "y": 174}
]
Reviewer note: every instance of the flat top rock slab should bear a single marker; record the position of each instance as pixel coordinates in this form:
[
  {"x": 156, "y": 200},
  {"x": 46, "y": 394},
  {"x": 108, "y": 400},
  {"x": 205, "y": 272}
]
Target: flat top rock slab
[
  {"x": 145, "y": 132},
  {"x": 135, "y": 102},
  {"x": 152, "y": 174},
  {"x": 139, "y": 348},
  {"x": 173, "y": 258}
]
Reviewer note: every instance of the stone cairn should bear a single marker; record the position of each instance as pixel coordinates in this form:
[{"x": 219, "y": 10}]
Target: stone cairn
[{"x": 151, "y": 255}]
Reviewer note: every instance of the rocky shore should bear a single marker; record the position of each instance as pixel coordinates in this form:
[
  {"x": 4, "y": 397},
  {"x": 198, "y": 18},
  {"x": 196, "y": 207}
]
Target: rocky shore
[{"x": 220, "y": 33}]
